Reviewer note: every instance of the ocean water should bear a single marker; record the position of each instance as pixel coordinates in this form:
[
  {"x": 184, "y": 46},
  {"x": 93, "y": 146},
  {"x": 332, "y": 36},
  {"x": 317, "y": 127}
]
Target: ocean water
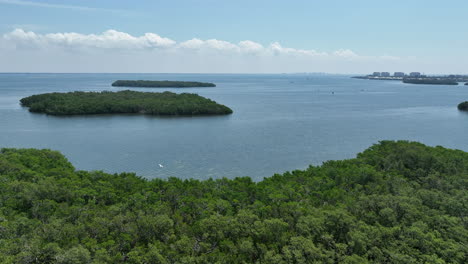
[{"x": 280, "y": 123}]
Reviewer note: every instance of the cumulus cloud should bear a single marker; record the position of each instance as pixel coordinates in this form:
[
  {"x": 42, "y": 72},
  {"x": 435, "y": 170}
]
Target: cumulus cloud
[
  {"x": 113, "y": 39},
  {"x": 277, "y": 49},
  {"x": 110, "y": 39},
  {"x": 250, "y": 46},
  {"x": 345, "y": 53},
  {"x": 192, "y": 44},
  {"x": 192, "y": 55}
]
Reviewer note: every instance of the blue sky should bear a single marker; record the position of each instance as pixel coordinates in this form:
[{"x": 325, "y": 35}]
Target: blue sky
[{"x": 429, "y": 34}]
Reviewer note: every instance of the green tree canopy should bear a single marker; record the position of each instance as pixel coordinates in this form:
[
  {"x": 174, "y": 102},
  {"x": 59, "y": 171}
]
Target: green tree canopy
[
  {"x": 132, "y": 102},
  {"x": 397, "y": 202}
]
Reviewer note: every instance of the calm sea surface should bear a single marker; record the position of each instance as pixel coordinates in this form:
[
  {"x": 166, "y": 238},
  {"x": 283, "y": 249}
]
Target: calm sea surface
[{"x": 280, "y": 123}]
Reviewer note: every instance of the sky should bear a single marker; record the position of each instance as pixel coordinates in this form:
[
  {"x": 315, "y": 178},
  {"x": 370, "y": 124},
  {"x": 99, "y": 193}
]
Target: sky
[{"x": 241, "y": 36}]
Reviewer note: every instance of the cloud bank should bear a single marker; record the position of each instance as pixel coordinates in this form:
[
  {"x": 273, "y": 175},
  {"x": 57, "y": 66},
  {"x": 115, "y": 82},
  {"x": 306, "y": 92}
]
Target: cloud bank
[
  {"x": 115, "y": 51},
  {"x": 112, "y": 39}
]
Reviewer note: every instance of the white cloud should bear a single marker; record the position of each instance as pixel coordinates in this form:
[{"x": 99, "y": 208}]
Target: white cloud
[
  {"x": 110, "y": 39},
  {"x": 277, "y": 49},
  {"x": 250, "y": 46},
  {"x": 155, "y": 40},
  {"x": 345, "y": 53},
  {"x": 192, "y": 44},
  {"x": 113, "y": 39},
  {"x": 115, "y": 51},
  {"x": 221, "y": 45}
]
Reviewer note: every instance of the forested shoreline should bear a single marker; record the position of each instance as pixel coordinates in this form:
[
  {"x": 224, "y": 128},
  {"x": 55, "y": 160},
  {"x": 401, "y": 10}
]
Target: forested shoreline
[
  {"x": 427, "y": 80},
  {"x": 123, "y": 102},
  {"x": 396, "y": 202},
  {"x": 160, "y": 84}
]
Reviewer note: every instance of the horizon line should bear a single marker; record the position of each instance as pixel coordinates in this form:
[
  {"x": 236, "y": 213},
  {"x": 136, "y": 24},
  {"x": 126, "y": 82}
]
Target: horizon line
[{"x": 246, "y": 73}]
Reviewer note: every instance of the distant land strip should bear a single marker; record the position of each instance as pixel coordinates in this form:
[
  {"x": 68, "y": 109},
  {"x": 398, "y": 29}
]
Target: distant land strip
[
  {"x": 160, "y": 84},
  {"x": 416, "y": 78},
  {"x": 439, "y": 81}
]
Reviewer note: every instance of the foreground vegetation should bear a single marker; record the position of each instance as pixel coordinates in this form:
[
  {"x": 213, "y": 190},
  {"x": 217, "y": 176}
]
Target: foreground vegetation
[
  {"x": 85, "y": 103},
  {"x": 463, "y": 106},
  {"x": 397, "y": 202},
  {"x": 439, "y": 81},
  {"x": 157, "y": 84}
]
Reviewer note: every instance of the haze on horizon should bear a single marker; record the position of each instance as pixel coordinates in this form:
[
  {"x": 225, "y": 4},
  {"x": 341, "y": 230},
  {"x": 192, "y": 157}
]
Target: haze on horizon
[{"x": 237, "y": 37}]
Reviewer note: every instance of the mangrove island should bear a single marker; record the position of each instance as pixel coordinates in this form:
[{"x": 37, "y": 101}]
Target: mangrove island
[
  {"x": 397, "y": 202},
  {"x": 160, "y": 84},
  {"x": 131, "y": 102},
  {"x": 463, "y": 106}
]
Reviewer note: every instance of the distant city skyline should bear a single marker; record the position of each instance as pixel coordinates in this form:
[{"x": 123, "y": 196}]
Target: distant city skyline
[{"x": 348, "y": 37}]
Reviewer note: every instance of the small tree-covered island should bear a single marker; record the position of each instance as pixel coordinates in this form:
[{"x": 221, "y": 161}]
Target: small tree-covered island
[
  {"x": 160, "y": 84},
  {"x": 463, "y": 106},
  {"x": 131, "y": 102},
  {"x": 397, "y": 202}
]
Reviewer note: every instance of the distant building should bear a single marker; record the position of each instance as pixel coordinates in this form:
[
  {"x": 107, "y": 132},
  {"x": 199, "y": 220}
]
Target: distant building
[
  {"x": 399, "y": 74},
  {"x": 415, "y": 74},
  {"x": 384, "y": 74},
  {"x": 376, "y": 74}
]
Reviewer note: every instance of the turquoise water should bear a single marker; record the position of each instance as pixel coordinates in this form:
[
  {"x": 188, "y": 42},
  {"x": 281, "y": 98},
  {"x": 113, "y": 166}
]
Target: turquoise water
[{"x": 280, "y": 123}]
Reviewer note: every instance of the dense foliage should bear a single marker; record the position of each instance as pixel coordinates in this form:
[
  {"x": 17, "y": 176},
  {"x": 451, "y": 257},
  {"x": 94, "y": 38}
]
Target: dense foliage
[
  {"x": 82, "y": 103},
  {"x": 463, "y": 106},
  {"x": 174, "y": 84},
  {"x": 397, "y": 202},
  {"x": 440, "y": 81}
]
